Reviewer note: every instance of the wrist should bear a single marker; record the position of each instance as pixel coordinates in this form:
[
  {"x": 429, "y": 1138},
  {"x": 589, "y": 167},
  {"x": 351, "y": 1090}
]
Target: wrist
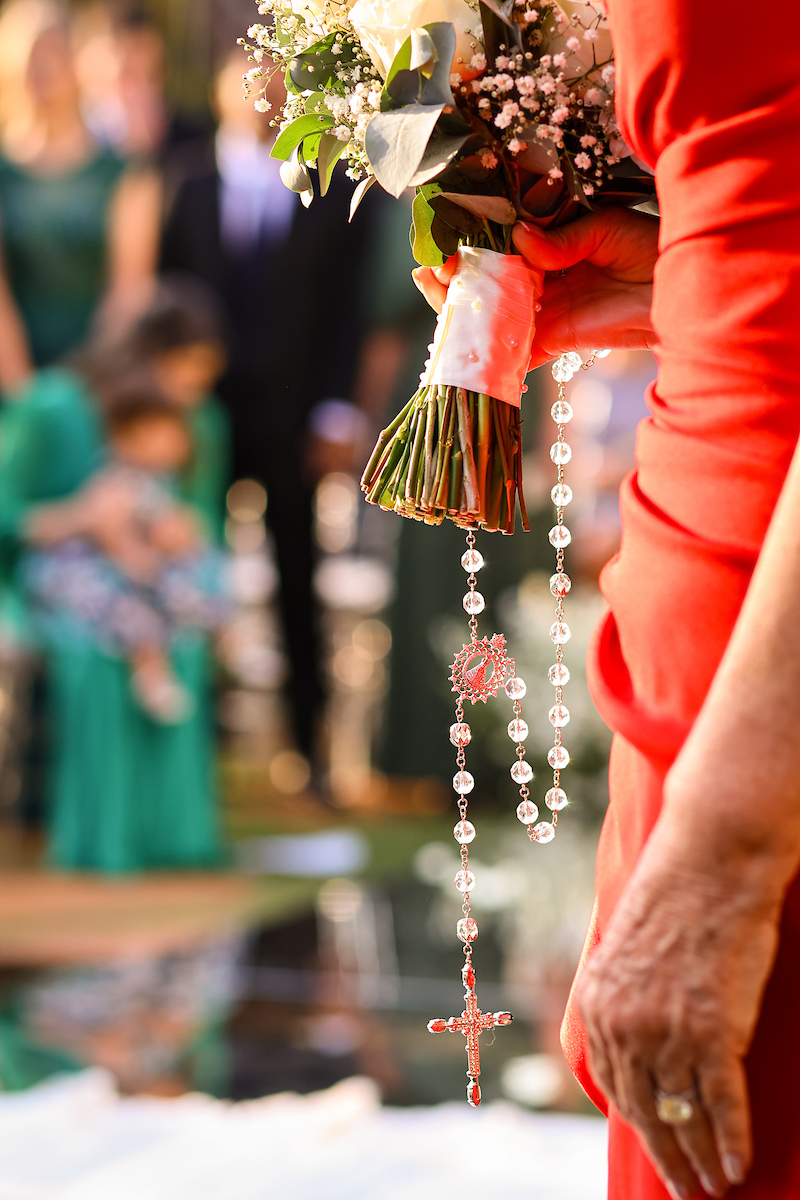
[{"x": 723, "y": 849}]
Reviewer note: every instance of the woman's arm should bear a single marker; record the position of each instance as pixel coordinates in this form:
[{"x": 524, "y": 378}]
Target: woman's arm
[
  {"x": 673, "y": 993},
  {"x": 134, "y": 226},
  {"x": 16, "y": 364}
]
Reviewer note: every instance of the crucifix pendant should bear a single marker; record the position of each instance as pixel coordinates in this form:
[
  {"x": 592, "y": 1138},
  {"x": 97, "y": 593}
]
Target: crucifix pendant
[{"x": 472, "y": 1023}]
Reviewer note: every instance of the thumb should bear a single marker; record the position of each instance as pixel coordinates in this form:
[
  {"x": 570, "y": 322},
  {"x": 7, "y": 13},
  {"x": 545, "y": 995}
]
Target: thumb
[{"x": 557, "y": 249}]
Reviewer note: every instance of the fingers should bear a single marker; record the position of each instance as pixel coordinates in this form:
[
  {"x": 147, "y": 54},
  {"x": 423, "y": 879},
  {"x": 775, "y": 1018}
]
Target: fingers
[
  {"x": 723, "y": 1088},
  {"x": 433, "y": 282},
  {"x": 615, "y": 238},
  {"x": 695, "y": 1138},
  {"x": 637, "y": 1106}
]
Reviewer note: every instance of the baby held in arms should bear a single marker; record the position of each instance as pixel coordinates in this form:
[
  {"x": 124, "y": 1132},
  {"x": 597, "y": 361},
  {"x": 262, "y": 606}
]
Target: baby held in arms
[{"x": 149, "y": 572}]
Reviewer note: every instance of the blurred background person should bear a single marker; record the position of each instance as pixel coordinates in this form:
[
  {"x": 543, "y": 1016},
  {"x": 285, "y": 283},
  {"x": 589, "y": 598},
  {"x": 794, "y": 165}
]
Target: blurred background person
[
  {"x": 77, "y": 229},
  {"x": 125, "y": 790},
  {"x": 288, "y": 278},
  {"x": 122, "y": 69}
]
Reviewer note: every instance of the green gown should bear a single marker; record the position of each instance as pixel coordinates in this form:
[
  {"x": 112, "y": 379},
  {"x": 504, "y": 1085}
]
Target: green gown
[
  {"x": 125, "y": 793},
  {"x": 54, "y": 237}
]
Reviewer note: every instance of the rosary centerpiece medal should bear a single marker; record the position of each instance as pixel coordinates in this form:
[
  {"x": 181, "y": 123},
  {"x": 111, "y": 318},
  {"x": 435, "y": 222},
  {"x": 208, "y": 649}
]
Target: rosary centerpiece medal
[{"x": 480, "y": 669}]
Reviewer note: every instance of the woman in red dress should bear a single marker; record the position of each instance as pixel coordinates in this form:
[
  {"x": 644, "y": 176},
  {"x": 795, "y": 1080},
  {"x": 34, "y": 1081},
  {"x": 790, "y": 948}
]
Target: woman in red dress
[{"x": 683, "y": 1021}]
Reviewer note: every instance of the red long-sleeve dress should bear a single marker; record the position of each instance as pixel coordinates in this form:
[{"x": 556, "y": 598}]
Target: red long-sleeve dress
[{"x": 709, "y": 94}]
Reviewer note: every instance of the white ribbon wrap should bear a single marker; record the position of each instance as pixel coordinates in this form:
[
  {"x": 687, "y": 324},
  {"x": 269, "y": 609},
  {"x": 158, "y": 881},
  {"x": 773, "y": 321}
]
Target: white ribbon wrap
[{"x": 485, "y": 330}]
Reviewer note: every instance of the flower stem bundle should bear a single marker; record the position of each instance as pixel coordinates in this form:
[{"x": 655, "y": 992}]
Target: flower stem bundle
[{"x": 450, "y": 453}]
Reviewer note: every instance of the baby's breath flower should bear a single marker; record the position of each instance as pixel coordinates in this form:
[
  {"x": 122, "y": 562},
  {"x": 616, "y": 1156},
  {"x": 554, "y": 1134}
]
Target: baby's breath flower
[{"x": 556, "y": 173}]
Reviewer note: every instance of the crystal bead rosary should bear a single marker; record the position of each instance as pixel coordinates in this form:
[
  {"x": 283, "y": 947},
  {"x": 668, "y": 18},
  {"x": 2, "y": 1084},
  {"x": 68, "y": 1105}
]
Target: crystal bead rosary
[{"x": 480, "y": 668}]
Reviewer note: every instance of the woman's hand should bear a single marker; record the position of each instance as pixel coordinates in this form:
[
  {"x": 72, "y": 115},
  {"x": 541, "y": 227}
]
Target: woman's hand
[
  {"x": 601, "y": 301},
  {"x": 670, "y": 1000}
]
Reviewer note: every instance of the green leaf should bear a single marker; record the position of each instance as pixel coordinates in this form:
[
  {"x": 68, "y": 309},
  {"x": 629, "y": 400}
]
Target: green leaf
[
  {"x": 316, "y": 67},
  {"x": 423, "y": 247},
  {"x": 359, "y": 194},
  {"x": 330, "y": 151},
  {"x": 316, "y": 104},
  {"x": 493, "y": 208},
  {"x": 294, "y": 134},
  {"x": 396, "y": 143}
]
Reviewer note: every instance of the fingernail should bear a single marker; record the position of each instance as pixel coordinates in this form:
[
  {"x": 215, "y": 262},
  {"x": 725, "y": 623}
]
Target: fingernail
[
  {"x": 710, "y": 1185},
  {"x": 678, "y": 1191},
  {"x": 733, "y": 1167}
]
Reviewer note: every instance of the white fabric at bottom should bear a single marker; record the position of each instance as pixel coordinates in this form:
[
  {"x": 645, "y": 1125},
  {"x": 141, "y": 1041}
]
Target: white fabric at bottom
[
  {"x": 75, "y": 1139},
  {"x": 485, "y": 330}
]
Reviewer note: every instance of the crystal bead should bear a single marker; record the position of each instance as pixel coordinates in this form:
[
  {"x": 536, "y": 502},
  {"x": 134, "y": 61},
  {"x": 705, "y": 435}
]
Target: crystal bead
[
  {"x": 558, "y": 757},
  {"x": 503, "y": 1018},
  {"x": 560, "y": 633},
  {"x": 521, "y": 772},
  {"x": 559, "y": 716},
  {"x": 474, "y": 1093},
  {"x": 468, "y": 975},
  {"x": 464, "y": 881},
  {"x": 602, "y": 353},
  {"x": 472, "y": 560},
  {"x": 544, "y": 831},
  {"x": 561, "y": 453},
  {"x": 460, "y": 734},
  {"x": 561, "y": 412},
  {"x": 437, "y": 1025},
  {"x": 561, "y": 371},
  {"x": 560, "y": 584},
  {"x": 558, "y": 674},
  {"x": 527, "y": 812},
  {"x": 516, "y": 688},
  {"x": 556, "y": 799},
  {"x": 463, "y": 782},
  {"x": 559, "y": 537},
  {"x": 574, "y": 360},
  {"x": 467, "y": 929},
  {"x": 561, "y": 494},
  {"x": 474, "y": 603},
  {"x": 464, "y": 832},
  {"x": 517, "y": 730}
]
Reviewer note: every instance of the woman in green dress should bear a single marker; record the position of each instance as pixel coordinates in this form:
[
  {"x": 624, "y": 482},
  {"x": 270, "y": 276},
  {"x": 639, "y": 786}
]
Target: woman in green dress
[
  {"x": 125, "y": 792},
  {"x": 79, "y": 231}
]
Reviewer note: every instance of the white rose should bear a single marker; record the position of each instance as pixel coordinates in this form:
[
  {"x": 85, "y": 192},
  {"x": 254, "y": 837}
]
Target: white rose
[{"x": 383, "y": 25}]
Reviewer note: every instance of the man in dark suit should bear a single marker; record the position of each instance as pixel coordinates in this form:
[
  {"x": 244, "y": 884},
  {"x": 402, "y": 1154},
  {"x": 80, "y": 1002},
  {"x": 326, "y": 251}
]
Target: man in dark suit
[{"x": 288, "y": 278}]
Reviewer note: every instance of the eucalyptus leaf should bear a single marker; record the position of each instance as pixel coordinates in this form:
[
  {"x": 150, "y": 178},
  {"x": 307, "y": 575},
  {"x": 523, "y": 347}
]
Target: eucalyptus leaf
[
  {"x": 461, "y": 219},
  {"x": 423, "y": 50},
  {"x": 359, "y": 194},
  {"x": 330, "y": 151},
  {"x": 445, "y": 237},
  {"x": 428, "y": 84},
  {"x": 396, "y": 144},
  {"x": 316, "y": 67},
  {"x": 441, "y": 149},
  {"x": 436, "y": 87},
  {"x": 294, "y": 134},
  {"x": 295, "y": 176},
  {"x": 493, "y": 208},
  {"x": 423, "y": 247}
]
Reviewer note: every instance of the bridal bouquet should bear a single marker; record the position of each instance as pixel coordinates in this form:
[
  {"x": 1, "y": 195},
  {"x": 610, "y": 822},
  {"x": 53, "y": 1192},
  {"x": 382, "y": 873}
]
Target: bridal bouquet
[{"x": 493, "y": 112}]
